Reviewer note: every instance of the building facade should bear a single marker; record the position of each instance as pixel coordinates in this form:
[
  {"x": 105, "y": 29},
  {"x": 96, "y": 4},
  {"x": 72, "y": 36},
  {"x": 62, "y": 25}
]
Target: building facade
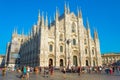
[
  {"x": 13, "y": 47},
  {"x": 110, "y": 58},
  {"x": 64, "y": 42}
]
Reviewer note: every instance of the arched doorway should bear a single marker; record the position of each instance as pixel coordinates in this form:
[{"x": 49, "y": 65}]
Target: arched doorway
[
  {"x": 61, "y": 62},
  {"x": 50, "y": 62},
  {"x": 75, "y": 60},
  {"x": 87, "y": 63}
]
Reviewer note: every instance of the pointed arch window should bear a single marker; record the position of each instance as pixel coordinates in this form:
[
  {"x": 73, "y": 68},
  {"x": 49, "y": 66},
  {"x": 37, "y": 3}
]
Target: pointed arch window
[
  {"x": 74, "y": 41},
  {"x": 93, "y": 51},
  {"x": 50, "y": 48},
  {"x": 86, "y": 51},
  {"x": 73, "y": 28},
  {"x": 61, "y": 48}
]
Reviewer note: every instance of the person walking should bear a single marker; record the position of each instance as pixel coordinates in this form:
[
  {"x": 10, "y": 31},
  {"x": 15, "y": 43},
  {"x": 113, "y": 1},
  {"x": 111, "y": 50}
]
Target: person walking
[
  {"x": 3, "y": 71},
  {"x": 28, "y": 73},
  {"x": 64, "y": 71},
  {"x": 111, "y": 71},
  {"x": 79, "y": 70},
  {"x": 24, "y": 72},
  {"x": 51, "y": 70}
]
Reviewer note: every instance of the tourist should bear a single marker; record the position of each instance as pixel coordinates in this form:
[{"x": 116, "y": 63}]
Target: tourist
[
  {"x": 51, "y": 70},
  {"x": 40, "y": 70},
  {"x": 28, "y": 71},
  {"x": 64, "y": 71},
  {"x": 46, "y": 72},
  {"x": 3, "y": 71},
  {"x": 24, "y": 71},
  {"x": 111, "y": 71},
  {"x": 36, "y": 70},
  {"x": 79, "y": 70},
  {"x": 100, "y": 69}
]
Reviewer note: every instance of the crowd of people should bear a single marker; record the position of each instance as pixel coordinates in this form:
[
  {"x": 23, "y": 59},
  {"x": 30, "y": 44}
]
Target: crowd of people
[
  {"x": 49, "y": 71},
  {"x": 108, "y": 69},
  {"x": 26, "y": 70}
]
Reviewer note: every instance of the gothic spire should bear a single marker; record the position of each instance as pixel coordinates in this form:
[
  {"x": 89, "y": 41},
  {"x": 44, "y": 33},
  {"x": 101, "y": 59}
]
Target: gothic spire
[
  {"x": 87, "y": 24},
  {"x": 38, "y": 17},
  {"x": 50, "y": 21},
  {"x": 46, "y": 23},
  {"x": 42, "y": 19},
  {"x": 77, "y": 11},
  {"x": 88, "y": 29},
  {"x": 68, "y": 9},
  {"x": 31, "y": 33},
  {"x": 95, "y": 34},
  {"x": 57, "y": 13},
  {"x": 65, "y": 8},
  {"x": 80, "y": 13}
]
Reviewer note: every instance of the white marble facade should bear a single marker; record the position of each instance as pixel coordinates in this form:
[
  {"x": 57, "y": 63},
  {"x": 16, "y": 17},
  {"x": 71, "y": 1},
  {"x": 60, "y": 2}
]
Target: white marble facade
[{"x": 64, "y": 41}]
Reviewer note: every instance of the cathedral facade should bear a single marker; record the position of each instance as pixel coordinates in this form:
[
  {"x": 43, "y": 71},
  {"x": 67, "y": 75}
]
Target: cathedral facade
[
  {"x": 64, "y": 42},
  {"x": 13, "y": 48}
]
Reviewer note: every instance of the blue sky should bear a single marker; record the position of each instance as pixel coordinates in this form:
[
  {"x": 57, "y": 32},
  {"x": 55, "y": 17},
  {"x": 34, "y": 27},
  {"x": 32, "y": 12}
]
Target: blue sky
[{"x": 103, "y": 15}]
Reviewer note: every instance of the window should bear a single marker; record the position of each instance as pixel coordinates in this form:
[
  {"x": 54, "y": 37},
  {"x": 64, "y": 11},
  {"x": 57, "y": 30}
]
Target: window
[
  {"x": 61, "y": 37},
  {"x": 85, "y": 41},
  {"x": 50, "y": 48},
  {"x": 74, "y": 42},
  {"x": 61, "y": 48},
  {"x": 85, "y": 51},
  {"x": 73, "y": 28},
  {"x": 93, "y": 51}
]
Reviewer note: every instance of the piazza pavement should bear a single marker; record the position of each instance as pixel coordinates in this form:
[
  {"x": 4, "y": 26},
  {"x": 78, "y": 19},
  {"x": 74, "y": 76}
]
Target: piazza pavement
[{"x": 59, "y": 76}]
